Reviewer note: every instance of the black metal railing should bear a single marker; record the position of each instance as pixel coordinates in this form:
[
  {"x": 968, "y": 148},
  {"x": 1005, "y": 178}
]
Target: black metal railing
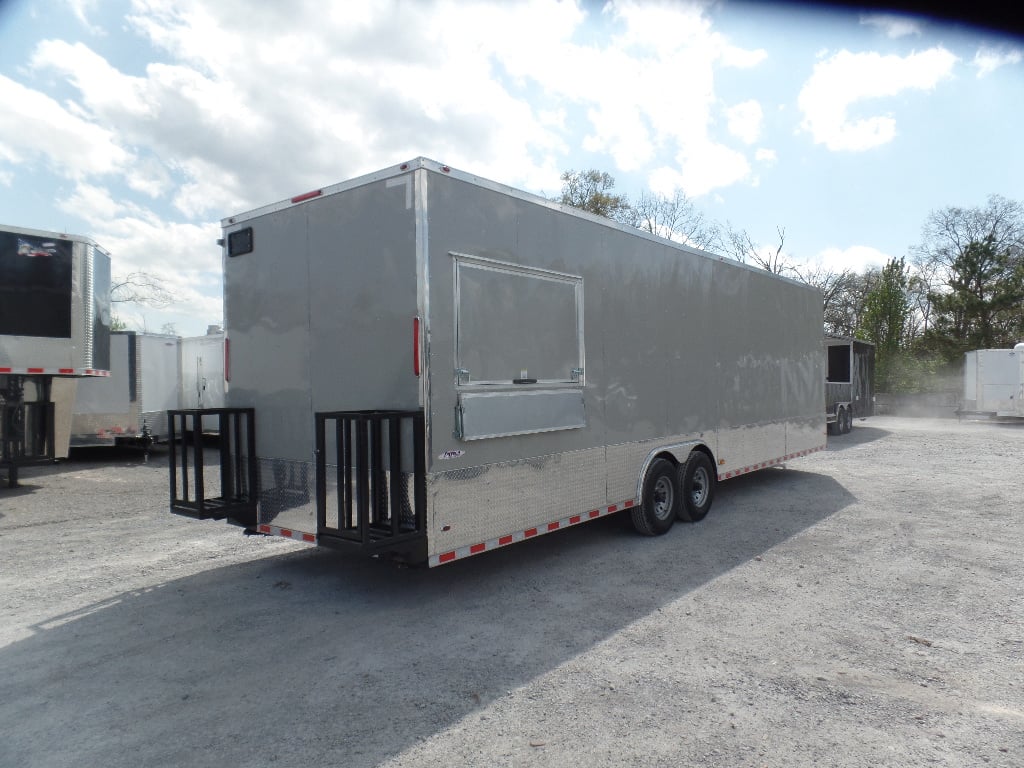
[
  {"x": 371, "y": 481},
  {"x": 26, "y": 436},
  {"x": 227, "y": 489}
]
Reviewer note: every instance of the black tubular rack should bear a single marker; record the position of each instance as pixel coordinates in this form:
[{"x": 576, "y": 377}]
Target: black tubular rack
[
  {"x": 26, "y": 427},
  {"x": 378, "y": 496},
  {"x": 235, "y": 476}
]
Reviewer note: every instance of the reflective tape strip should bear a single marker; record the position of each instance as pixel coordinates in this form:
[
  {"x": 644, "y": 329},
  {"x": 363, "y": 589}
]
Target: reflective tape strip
[
  {"x": 37, "y": 371},
  {"x": 288, "y": 533},
  {"x": 529, "y": 533},
  {"x": 769, "y": 463}
]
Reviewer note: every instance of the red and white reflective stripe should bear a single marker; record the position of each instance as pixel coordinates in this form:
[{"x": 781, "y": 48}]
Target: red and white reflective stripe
[
  {"x": 33, "y": 371},
  {"x": 288, "y": 533},
  {"x": 769, "y": 463},
  {"x": 529, "y": 533}
]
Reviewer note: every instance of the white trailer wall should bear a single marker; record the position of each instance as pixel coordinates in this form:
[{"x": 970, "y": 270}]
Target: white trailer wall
[{"x": 994, "y": 381}]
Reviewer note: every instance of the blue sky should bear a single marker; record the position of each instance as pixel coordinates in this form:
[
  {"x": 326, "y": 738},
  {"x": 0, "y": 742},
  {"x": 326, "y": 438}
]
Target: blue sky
[{"x": 143, "y": 123}]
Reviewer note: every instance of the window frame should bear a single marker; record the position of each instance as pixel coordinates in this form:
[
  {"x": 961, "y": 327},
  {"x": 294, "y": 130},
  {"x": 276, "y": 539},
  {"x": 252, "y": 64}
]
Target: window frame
[{"x": 468, "y": 261}]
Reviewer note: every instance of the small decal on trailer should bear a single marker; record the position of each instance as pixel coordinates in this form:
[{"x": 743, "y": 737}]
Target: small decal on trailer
[{"x": 451, "y": 455}]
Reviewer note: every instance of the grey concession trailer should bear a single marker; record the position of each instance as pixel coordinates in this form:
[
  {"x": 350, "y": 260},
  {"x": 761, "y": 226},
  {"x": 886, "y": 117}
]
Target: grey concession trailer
[
  {"x": 430, "y": 365},
  {"x": 54, "y": 325},
  {"x": 849, "y": 382}
]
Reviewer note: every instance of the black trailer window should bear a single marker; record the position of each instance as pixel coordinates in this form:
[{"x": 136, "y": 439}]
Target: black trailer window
[
  {"x": 839, "y": 364},
  {"x": 516, "y": 324},
  {"x": 35, "y": 286}
]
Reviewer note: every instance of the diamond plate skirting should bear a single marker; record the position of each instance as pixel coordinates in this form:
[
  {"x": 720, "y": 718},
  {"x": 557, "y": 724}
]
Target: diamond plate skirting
[
  {"x": 471, "y": 505},
  {"x": 287, "y": 497},
  {"x": 476, "y": 504}
]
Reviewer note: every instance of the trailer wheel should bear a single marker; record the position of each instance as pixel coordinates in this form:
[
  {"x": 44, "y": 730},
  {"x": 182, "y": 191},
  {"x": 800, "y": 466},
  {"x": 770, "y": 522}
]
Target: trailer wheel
[
  {"x": 697, "y": 483},
  {"x": 661, "y": 500},
  {"x": 845, "y": 421}
]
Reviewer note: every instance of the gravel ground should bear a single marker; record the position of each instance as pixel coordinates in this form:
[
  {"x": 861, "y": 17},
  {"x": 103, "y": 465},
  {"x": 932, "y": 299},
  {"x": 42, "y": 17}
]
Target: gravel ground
[{"x": 860, "y": 607}]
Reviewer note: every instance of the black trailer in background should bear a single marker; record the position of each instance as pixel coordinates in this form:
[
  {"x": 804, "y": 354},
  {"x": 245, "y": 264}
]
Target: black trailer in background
[{"x": 849, "y": 382}]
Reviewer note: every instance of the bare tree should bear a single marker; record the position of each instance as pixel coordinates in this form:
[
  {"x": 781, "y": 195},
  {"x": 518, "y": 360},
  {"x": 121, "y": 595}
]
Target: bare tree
[
  {"x": 969, "y": 277},
  {"x": 924, "y": 282},
  {"x": 673, "y": 217},
  {"x": 841, "y": 296},
  {"x": 738, "y": 244},
  {"x": 949, "y": 232},
  {"x": 141, "y": 288}
]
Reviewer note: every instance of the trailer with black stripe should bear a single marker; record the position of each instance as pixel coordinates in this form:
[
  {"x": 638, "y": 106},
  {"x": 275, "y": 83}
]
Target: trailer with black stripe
[
  {"x": 54, "y": 328},
  {"x": 425, "y": 364}
]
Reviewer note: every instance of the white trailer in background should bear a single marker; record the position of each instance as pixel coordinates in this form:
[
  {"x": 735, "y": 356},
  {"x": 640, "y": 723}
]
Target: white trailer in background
[
  {"x": 202, "y": 374},
  {"x": 150, "y": 374},
  {"x": 54, "y": 325},
  {"x": 130, "y": 406},
  {"x": 429, "y": 365},
  {"x": 994, "y": 383}
]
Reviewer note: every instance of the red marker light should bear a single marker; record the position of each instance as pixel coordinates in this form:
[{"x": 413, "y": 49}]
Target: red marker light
[{"x": 307, "y": 196}]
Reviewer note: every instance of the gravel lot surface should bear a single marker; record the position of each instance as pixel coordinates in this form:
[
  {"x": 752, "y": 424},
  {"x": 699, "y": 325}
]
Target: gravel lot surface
[{"x": 861, "y": 607}]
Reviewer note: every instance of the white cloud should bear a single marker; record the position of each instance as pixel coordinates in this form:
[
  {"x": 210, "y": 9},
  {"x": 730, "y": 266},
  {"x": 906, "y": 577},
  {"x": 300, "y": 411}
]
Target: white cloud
[
  {"x": 844, "y": 80},
  {"x": 856, "y": 258},
  {"x": 248, "y": 117},
  {"x": 33, "y": 125},
  {"x": 651, "y": 92},
  {"x": 988, "y": 60},
  {"x": 745, "y": 121},
  {"x": 701, "y": 169},
  {"x": 352, "y": 92},
  {"x": 141, "y": 239},
  {"x": 82, "y": 9},
  {"x": 892, "y": 25},
  {"x": 183, "y": 256},
  {"x": 243, "y": 104},
  {"x": 766, "y": 156},
  {"x": 104, "y": 89}
]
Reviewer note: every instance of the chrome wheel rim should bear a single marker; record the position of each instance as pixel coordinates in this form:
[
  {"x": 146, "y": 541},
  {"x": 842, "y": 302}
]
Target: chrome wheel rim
[
  {"x": 699, "y": 487},
  {"x": 662, "y": 497}
]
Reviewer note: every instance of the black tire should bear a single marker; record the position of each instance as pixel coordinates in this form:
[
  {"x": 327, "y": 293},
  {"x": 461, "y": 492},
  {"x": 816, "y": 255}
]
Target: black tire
[
  {"x": 697, "y": 481},
  {"x": 660, "y": 505},
  {"x": 845, "y": 422}
]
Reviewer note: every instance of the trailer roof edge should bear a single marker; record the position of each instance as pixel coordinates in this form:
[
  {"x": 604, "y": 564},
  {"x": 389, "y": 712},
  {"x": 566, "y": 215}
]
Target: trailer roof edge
[
  {"x": 51, "y": 233},
  {"x": 436, "y": 167}
]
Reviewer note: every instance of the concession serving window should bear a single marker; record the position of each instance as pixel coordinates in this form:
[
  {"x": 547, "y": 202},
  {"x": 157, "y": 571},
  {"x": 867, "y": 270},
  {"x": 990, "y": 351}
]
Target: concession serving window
[
  {"x": 516, "y": 325},
  {"x": 519, "y": 350}
]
